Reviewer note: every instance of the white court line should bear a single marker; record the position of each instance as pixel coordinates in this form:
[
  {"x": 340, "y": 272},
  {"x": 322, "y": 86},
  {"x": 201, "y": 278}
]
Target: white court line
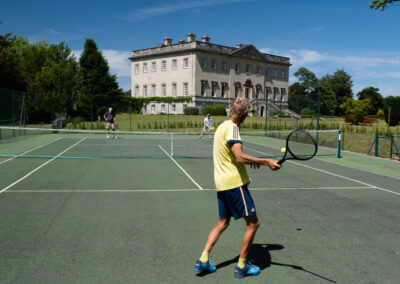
[
  {"x": 333, "y": 174},
  {"x": 40, "y": 146},
  {"x": 175, "y": 190},
  {"x": 42, "y": 165},
  {"x": 179, "y": 166},
  {"x": 320, "y": 159}
]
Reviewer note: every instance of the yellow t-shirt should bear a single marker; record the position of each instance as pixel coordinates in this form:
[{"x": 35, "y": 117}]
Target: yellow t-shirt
[{"x": 228, "y": 173}]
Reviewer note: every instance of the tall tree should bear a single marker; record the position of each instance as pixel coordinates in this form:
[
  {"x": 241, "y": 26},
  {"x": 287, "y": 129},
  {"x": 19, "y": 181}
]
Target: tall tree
[
  {"x": 376, "y": 98},
  {"x": 391, "y": 106},
  {"x": 96, "y": 86},
  {"x": 10, "y": 74},
  {"x": 54, "y": 88},
  {"x": 341, "y": 85},
  {"x": 381, "y": 4}
]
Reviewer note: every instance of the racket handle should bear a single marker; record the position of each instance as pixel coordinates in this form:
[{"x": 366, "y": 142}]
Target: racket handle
[{"x": 280, "y": 162}]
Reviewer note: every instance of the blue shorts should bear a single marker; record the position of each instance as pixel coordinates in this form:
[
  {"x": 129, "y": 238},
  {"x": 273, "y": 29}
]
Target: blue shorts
[{"x": 236, "y": 202}]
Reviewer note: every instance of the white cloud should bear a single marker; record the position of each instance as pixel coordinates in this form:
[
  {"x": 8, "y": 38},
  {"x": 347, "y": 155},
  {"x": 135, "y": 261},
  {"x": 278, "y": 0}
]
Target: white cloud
[
  {"x": 146, "y": 13},
  {"x": 378, "y": 69}
]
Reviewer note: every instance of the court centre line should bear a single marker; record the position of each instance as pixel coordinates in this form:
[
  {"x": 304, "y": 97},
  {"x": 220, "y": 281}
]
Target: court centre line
[
  {"x": 40, "y": 146},
  {"x": 172, "y": 190},
  {"x": 42, "y": 165},
  {"x": 179, "y": 166},
  {"x": 333, "y": 174}
]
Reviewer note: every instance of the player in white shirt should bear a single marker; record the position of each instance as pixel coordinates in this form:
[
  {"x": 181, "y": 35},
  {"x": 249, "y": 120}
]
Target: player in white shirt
[{"x": 207, "y": 126}]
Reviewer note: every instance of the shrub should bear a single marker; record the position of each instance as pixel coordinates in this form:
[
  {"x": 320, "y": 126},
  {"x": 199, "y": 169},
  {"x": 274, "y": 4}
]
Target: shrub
[
  {"x": 220, "y": 110},
  {"x": 380, "y": 114},
  {"x": 191, "y": 110},
  {"x": 207, "y": 110},
  {"x": 77, "y": 120},
  {"x": 369, "y": 120},
  {"x": 306, "y": 111}
]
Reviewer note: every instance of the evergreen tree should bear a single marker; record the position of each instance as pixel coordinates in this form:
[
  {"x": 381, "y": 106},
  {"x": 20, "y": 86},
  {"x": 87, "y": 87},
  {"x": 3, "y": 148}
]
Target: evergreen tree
[
  {"x": 376, "y": 98},
  {"x": 97, "y": 88}
]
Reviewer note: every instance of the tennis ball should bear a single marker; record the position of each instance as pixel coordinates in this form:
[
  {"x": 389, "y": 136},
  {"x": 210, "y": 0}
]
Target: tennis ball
[{"x": 283, "y": 150}]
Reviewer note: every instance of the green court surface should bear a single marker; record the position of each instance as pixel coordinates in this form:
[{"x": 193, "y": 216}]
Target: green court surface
[{"x": 85, "y": 209}]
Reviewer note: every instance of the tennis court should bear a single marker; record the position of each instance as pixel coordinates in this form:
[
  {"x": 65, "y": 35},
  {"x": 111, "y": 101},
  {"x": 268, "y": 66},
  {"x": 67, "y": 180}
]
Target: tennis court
[{"x": 80, "y": 208}]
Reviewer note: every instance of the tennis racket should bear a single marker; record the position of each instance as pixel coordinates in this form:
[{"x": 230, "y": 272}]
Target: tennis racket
[{"x": 300, "y": 145}]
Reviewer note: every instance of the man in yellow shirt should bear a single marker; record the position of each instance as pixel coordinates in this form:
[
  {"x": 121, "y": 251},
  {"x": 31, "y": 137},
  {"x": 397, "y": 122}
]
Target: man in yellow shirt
[{"x": 231, "y": 180}]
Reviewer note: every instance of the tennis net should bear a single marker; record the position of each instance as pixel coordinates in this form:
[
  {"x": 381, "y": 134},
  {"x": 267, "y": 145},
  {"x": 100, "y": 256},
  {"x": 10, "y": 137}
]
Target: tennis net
[{"x": 100, "y": 144}]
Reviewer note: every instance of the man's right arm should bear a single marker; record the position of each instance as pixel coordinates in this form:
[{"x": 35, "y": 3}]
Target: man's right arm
[{"x": 244, "y": 158}]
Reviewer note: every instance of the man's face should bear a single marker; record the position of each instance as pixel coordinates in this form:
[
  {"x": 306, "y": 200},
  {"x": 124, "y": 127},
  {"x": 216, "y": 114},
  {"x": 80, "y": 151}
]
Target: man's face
[{"x": 110, "y": 110}]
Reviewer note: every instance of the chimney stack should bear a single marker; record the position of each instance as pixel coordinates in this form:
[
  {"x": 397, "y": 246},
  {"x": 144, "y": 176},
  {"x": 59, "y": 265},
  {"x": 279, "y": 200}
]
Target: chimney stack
[
  {"x": 239, "y": 45},
  {"x": 191, "y": 37},
  {"x": 205, "y": 39},
  {"x": 167, "y": 41}
]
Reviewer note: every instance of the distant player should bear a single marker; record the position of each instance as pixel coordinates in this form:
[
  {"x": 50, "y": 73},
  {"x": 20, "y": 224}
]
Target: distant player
[
  {"x": 207, "y": 126},
  {"x": 231, "y": 180},
  {"x": 109, "y": 117}
]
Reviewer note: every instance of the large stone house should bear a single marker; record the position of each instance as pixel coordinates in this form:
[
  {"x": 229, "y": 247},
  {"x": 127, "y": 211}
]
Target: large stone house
[{"x": 210, "y": 74}]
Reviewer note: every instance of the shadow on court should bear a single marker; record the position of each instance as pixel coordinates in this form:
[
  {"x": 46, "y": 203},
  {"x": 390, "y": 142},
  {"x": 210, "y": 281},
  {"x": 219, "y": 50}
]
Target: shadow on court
[{"x": 260, "y": 255}]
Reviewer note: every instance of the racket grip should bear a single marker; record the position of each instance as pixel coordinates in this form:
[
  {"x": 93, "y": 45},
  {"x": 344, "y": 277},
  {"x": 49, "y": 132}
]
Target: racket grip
[{"x": 280, "y": 162}]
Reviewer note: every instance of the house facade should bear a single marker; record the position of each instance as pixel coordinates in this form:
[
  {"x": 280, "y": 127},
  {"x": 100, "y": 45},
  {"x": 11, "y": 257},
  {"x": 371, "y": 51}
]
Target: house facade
[{"x": 210, "y": 74}]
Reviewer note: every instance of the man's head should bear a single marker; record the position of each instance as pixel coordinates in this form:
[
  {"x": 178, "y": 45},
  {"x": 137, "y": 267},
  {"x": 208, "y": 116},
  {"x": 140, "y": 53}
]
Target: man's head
[
  {"x": 208, "y": 115},
  {"x": 239, "y": 109},
  {"x": 110, "y": 110}
]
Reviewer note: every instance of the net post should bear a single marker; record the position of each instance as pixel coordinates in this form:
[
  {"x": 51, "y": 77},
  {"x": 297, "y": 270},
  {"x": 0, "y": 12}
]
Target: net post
[
  {"x": 339, "y": 141},
  {"x": 172, "y": 144},
  {"x": 377, "y": 144}
]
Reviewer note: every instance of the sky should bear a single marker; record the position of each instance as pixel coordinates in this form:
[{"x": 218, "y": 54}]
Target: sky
[{"x": 321, "y": 35}]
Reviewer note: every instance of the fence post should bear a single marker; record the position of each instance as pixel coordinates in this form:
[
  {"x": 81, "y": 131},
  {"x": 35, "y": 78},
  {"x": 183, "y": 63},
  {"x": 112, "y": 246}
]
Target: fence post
[
  {"x": 377, "y": 144},
  {"x": 391, "y": 145}
]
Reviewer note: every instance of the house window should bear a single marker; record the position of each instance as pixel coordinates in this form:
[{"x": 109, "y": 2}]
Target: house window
[
  {"x": 283, "y": 93},
  {"x": 276, "y": 94},
  {"x": 186, "y": 62},
  {"x": 247, "y": 92},
  {"x": 247, "y": 68},
  {"x": 185, "y": 89},
  {"x": 214, "y": 64},
  {"x": 153, "y": 66},
  {"x": 237, "y": 68},
  {"x": 275, "y": 73},
  {"x": 137, "y": 68},
  {"x": 163, "y": 108},
  {"x": 144, "y": 67},
  {"x": 173, "y": 107},
  {"x": 153, "y": 90},
  {"x": 203, "y": 63},
  {"x": 283, "y": 75},
  {"x": 258, "y": 70},
  {"x": 268, "y": 72},
  {"x": 163, "y": 90},
  {"x": 174, "y": 64},
  {"x": 163, "y": 65},
  {"x": 136, "y": 91},
  {"x": 214, "y": 89},
  {"x": 174, "y": 89},
  {"x": 144, "y": 91},
  {"x": 203, "y": 88},
  {"x": 237, "y": 90},
  {"x": 224, "y": 66},
  {"x": 258, "y": 90},
  {"x": 153, "y": 108},
  {"x": 223, "y": 89}
]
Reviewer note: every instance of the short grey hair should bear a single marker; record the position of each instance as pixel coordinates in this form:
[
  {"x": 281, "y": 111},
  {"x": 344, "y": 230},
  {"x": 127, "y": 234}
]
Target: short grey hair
[{"x": 239, "y": 108}]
